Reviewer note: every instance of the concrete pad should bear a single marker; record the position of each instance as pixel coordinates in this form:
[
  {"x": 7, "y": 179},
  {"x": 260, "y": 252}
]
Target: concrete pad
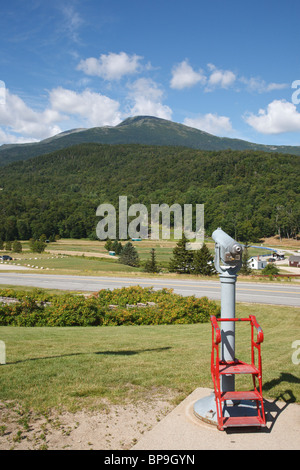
[{"x": 182, "y": 430}]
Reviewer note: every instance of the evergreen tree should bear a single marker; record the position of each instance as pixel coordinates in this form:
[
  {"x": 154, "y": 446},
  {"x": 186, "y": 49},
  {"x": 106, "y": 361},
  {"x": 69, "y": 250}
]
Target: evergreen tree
[
  {"x": 17, "y": 247},
  {"x": 129, "y": 255},
  {"x": 270, "y": 269},
  {"x": 117, "y": 247},
  {"x": 8, "y": 246},
  {"x": 203, "y": 262},
  {"x": 108, "y": 245},
  {"x": 245, "y": 269},
  {"x": 151, "y": 265},
  {"x": 37, "y": 246},
  {"x": 182, "y": 261}
]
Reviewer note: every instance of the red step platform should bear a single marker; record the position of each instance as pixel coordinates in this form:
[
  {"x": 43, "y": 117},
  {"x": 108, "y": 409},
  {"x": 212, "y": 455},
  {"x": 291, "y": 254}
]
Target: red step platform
[{"x": 229, "y": 401}]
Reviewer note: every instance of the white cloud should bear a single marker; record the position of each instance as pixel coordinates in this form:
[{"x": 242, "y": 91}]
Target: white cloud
[
  {"x": 72, "y": 21},
  {"x": 10, "y": 138},
  {"x": 147, "y": 99},
  {"x": 219, "y": 78},
  {"x": 260, "y": 86},
  {"x": 280, "y": 116},
  {"x": 111, "y": 66},
  {"x": 94, "y": 108},
  {"x": 19, "y": 123},
  {"x": 183, "y": 76},
  {"x": 211, "y": 123},
  {"x": 18, "y": 118}
]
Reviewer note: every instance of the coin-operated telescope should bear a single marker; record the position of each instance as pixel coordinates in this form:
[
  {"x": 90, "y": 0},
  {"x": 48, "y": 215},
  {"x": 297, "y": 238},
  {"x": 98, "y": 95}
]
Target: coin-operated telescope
[
  {"x": 228, "y": 261},
  {"x": 228, "y": 253},
  {"x": 226, "y": 407}
]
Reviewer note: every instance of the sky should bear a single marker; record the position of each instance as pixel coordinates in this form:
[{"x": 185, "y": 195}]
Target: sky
[{"x": 230, "y": 68}]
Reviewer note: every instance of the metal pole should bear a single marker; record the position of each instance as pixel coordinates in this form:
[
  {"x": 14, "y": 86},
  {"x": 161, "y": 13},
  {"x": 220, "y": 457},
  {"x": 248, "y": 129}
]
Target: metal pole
[{"x": 228, "y": 283}]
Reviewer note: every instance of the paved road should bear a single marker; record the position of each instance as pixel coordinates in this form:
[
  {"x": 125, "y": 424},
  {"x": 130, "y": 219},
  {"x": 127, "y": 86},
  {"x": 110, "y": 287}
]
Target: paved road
[{"x": 275, "y": 293}]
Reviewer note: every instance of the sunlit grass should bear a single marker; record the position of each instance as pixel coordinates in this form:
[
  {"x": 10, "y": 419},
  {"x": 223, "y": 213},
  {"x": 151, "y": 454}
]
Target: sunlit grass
[{"x": 75, "y": 368}]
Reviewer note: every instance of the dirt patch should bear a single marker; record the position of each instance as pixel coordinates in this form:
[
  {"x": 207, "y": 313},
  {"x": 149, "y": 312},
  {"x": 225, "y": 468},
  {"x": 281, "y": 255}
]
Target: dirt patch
[
  {"x": 117, "y": 427},
  {"x": 90, "y": 254},
  {"x": 287, "y": 242}
]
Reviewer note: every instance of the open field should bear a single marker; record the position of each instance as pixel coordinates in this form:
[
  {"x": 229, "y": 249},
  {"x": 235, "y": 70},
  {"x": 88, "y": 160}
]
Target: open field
[
  {"x": 103, "y": 387},
  {"x": 71, "y": 256},
  {"x": 45, "y": 366}
]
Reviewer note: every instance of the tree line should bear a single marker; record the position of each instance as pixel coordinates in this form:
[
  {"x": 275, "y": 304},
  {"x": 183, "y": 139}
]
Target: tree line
[
  {"x": 250, "y": 194},
  {"x": 183, "y": 261}
]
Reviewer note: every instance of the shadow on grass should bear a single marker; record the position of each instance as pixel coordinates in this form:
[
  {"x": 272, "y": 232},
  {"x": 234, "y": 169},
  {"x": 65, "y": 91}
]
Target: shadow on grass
[
  {"x": 122, "y": 352},
  {"x": 132, "y": 352},
  {"x": 286, "y": 396}
]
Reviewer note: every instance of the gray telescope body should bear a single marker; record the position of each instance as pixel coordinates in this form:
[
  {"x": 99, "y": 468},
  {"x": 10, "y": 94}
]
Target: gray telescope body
[{"x": 228, "y": 251}]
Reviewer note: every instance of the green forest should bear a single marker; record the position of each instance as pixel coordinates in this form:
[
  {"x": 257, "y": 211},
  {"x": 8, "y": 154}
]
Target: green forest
[{"x": 250, "y": 194}]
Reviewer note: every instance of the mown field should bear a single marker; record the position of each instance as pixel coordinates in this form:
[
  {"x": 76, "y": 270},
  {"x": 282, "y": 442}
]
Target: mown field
[
  {"x": 71, "y": 256},
  {"x": 80, "y": 367}
]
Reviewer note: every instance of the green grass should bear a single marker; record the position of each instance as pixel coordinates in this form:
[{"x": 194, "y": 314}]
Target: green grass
[
  {"x": 74, "y": 368},
  {"x": 81, "y": 264},
  {"x": 55, "y": 261}
]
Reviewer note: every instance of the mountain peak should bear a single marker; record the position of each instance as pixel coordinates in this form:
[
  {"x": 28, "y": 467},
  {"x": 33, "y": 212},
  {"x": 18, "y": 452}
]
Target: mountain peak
[
  {"x": 144, "y": 130},
  {"x": 140, "y": 120}
]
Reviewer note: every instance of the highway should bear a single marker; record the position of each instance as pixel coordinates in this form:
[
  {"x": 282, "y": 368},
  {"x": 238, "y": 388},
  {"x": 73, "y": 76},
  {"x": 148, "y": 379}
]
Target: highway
[{"x": 274, "y": 293}]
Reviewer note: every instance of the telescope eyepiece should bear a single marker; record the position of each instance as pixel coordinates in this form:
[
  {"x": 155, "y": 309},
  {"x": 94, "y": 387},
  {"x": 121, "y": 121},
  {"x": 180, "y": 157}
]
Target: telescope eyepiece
[{"x": 236, "y": 249}]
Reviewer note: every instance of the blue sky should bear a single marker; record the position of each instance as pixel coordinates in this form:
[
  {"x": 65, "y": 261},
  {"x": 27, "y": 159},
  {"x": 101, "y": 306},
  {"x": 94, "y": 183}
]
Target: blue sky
[{"x": 226, "y": 67}]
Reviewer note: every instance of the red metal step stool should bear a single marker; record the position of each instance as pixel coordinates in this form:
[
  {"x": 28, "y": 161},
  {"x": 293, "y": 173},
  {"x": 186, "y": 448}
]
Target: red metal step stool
[{"x": 220, "y": 367}]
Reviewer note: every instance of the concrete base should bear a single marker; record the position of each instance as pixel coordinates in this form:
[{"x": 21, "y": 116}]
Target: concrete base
[
  {"x": 183, "y": 430},
  {"x": 205, "y": 409}
]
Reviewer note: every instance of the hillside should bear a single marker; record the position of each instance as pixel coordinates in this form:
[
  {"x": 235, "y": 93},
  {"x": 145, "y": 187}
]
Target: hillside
[
  {"x": 145, "y": 130},
  {"x": 250, "y": 194}
]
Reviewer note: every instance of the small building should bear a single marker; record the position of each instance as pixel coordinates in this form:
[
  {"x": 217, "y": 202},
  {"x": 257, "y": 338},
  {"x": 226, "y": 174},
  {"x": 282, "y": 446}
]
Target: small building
[
  {"x": 278, "y": 255},
  {"x": 294, "y": 261},
  {"x": 257, "y": 263}
]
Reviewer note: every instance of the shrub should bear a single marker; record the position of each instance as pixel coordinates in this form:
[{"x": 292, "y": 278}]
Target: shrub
[
  {"x": 270, "y": 269},
  {"x": 160, "y": 307}
]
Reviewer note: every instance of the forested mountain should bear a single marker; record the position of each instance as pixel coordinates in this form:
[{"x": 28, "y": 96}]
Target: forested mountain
[
  {"x": 250, "y": 194},
  {"x": 145, "y": 130}
]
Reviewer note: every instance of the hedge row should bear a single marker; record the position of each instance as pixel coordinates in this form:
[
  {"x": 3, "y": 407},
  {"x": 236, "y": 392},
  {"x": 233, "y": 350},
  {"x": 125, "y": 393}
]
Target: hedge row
[{"x": 77, "y": 310}]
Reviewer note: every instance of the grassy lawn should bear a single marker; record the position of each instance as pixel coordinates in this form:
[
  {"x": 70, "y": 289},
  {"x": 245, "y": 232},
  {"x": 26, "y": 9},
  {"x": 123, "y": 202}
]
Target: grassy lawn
[
  {"x": 89, "y": 257},
  {"x": 75, "y": 368}
]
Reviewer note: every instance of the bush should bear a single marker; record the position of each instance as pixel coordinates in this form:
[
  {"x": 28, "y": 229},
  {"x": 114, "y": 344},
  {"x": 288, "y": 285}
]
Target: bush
[
  {"x": 160, "y": 307},
  {"x": 37, "y": 246},
  {"x": 270, "y": 269}
]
